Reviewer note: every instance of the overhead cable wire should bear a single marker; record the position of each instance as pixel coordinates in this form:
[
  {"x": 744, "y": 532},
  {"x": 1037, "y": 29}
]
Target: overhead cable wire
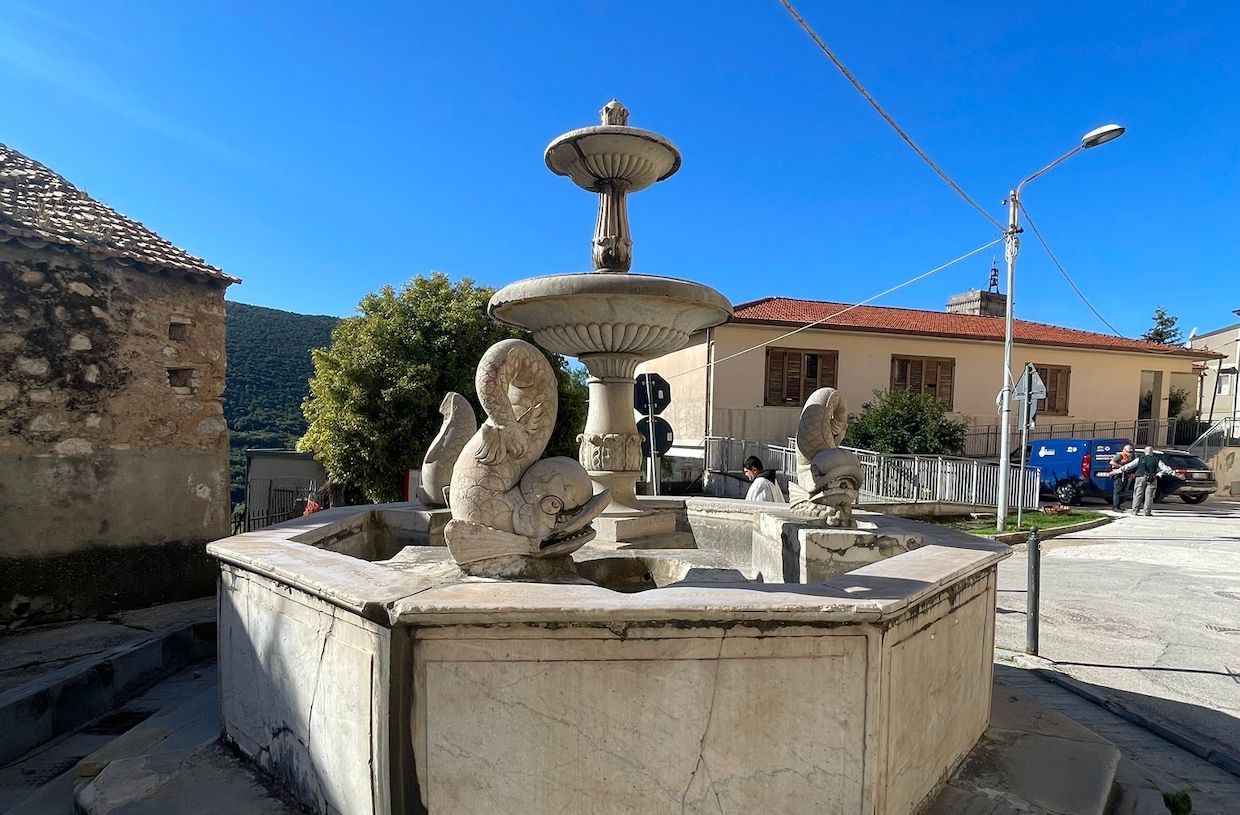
[
  {"x": 844, "y": 310},
  {"x": 1172, "y": 348},
  {"x": 908, "y": 140},
  {"x": 1062, "y": 271}
]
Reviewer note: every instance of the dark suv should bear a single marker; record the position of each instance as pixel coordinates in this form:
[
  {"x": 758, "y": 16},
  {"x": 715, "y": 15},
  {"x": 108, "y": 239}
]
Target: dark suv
[{"x": 1195, "y": 483}]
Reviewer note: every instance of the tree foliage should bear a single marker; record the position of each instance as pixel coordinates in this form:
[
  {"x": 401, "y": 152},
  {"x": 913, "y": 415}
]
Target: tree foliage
[
  {"x": 373, "y": 407},
  {"x": 905, "y": 422},
  {"x": 1164, "y": 330}
]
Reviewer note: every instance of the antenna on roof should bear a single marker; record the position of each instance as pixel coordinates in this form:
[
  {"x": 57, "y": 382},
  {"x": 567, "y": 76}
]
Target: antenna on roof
[{"x": 994, "y": 275}]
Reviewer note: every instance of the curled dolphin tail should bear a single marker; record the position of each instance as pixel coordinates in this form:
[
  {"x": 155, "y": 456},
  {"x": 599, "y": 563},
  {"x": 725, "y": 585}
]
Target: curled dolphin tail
[
  {"x": 459, "y": 423},
  {"x": 518, "y": 391},
  {"x": 824, "y": 422}
]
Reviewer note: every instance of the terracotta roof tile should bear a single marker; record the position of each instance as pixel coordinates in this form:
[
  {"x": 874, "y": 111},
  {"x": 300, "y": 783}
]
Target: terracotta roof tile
[
  {"x": 38, "y": 204},
  {"x": 883, "y": 319}
]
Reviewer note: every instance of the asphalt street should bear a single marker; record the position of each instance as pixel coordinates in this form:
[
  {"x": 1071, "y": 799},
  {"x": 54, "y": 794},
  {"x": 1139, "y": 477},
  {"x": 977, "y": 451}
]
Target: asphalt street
[{"x": 1147, "y": 610}]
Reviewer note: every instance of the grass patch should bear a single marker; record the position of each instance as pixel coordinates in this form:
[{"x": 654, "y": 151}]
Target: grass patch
[{"x": 986, "y": 525}]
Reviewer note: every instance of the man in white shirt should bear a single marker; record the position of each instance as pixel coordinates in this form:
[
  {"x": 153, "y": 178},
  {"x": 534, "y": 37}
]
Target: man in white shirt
[{"x": 762, "y": 488}]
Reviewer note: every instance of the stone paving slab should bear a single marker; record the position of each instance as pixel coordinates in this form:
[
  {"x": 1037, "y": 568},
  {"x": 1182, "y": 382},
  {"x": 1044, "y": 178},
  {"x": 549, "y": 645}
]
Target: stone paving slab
[
  {"x": 212, "y": 777},
  {"x": 28, "y": 653},
  {"x": 1153, "y": 764},
  {"x": 1032, "y": 761}
]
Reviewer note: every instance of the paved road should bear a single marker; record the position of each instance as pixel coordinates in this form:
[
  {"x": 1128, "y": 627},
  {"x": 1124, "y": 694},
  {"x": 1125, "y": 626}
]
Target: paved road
[{"x": 1146, "y": 609}]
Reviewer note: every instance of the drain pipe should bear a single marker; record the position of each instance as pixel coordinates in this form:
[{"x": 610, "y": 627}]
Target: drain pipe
[{"x": 1033, "y": 590}]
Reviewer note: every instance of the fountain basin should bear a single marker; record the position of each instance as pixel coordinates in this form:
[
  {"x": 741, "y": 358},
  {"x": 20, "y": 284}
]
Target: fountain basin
[
  {"x": 637, "y": 157},
  {"x": 600, "y": 312},
  {"x": 386, "y": 682}
]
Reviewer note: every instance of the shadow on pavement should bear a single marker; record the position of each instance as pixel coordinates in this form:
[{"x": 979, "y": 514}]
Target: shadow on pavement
[{"x": 1207, "y": 733}]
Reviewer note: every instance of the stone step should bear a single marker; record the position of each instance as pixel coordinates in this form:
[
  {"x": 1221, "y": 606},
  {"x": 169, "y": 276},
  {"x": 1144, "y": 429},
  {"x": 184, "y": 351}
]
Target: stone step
[
  {"x": 1032, "y": 761},
  {"x": 59, "y": 701},
  {"x": 181, "y": 713}
]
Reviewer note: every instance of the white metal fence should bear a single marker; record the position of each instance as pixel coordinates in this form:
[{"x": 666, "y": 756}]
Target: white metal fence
[{"x": 888, "y": 478}]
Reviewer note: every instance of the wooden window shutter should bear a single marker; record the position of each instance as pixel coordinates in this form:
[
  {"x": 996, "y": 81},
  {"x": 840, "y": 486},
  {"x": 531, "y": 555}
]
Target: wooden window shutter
[
  {"x": 916, "y": 375},
  {"x": 946, "y": 375},
  {"x": 793, "y": 366},
  {"x": 827, "y": 364},
  {"x": 774, "y": 377},
  {"x": 1057, "y": 379},
  {"x": 899, "y": 374}
]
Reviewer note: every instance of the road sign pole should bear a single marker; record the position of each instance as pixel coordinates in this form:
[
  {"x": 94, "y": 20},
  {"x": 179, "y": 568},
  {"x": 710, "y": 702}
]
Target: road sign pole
[
  {"x": 654, "y": 448},
  {"x": 1024, "y": 442}
]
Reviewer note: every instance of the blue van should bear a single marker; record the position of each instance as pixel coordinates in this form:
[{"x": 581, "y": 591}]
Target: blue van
[{"x": 1070, "y": 467}]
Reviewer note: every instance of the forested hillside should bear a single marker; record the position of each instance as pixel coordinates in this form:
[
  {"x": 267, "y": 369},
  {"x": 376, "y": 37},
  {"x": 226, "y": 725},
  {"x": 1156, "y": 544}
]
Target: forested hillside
[{"x": 268, "y": 368}]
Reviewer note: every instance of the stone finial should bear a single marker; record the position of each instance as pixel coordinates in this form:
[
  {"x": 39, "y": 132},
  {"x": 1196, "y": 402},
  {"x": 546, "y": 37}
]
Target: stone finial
[{"x": 614, "y": 113}]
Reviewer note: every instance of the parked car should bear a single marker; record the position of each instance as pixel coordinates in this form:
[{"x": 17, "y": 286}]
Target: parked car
[
  {"x": 1196, "y": 482},
  {"x": 1070, "y": 467}
]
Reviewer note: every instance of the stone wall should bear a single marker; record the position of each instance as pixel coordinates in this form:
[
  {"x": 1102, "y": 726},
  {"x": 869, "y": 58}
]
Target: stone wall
[{"x": 116, "y": 449}]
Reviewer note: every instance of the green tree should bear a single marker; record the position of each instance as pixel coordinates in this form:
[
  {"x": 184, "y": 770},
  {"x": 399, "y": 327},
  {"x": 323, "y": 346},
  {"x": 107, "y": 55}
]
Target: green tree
[
  {"x": 373, "y": 407},
  {"x": 905, "y": 422},
  {"x": 1164, "y": 330}
]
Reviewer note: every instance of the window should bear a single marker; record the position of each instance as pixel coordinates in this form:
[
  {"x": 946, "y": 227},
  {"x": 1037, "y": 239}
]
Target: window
[
  {"x": 181, "y": 377},
  {"x": 792, "y": 375},
  {"x": 930, "y": 375},
  {"x": 178, "y": 329},
  {"x": 1056, "y": 378},
  {"x": 1223, "y": 384}
]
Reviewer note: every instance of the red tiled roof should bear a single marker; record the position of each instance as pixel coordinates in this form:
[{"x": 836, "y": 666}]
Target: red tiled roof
[
  {"x": 38, "y": 204},
  {"x": 886, "y": 320}
]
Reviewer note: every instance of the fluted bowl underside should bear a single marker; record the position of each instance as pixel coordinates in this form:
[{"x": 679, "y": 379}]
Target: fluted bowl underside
[
  {"x": 638, "y": 157},
  {"x": 597, "y": 312}
]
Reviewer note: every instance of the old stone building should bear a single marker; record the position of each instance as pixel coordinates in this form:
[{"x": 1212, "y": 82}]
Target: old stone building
[{"x": 114, "y": 455}]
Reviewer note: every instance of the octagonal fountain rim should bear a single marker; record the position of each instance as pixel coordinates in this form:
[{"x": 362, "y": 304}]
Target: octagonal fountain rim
[{"x": 430, "y": 592}]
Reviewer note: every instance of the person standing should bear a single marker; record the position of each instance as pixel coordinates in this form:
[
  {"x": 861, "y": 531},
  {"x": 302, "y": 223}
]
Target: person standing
[
  {"x": 1148, "y": 467},
  {"x": 1117, "y": 489},
  {"x": 762, "y": 488}
]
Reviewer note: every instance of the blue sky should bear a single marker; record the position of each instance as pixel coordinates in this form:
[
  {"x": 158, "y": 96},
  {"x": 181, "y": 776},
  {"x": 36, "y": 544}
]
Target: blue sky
[{"x": 319, "y": 151}]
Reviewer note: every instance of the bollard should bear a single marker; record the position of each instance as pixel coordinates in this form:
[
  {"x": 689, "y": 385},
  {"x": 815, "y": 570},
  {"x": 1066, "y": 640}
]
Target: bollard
[{"x": 1033, "y": 555}]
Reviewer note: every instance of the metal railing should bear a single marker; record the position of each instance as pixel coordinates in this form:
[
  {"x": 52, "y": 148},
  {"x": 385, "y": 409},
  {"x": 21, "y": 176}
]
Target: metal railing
[
  {"x": 1223, "y": 433},
  {"x": 888, "y": 478},
  {"x": 272, "y": 500},
  {"x": 723, "y": 454},
  {"x": 983, "y": 442}
]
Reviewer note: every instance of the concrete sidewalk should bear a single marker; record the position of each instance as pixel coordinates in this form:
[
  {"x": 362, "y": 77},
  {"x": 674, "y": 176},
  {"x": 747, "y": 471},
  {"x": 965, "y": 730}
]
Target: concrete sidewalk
[{"x": 1146, "y": 612}]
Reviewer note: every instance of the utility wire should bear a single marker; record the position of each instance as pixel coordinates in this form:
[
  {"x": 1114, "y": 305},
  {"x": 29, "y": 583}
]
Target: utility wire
[
  {"x": 822, "y": 320},
  {"x": 922, "y": 153},
  {"x": 1061, "y": 269}
]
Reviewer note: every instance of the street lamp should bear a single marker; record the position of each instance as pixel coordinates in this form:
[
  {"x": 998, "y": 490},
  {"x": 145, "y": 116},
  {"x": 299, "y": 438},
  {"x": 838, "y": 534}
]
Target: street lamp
[{"x": 1095, "y": 137}]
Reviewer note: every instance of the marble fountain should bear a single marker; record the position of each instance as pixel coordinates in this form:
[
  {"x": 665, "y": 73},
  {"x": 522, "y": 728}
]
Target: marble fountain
[{"x": 554, "y": 643}]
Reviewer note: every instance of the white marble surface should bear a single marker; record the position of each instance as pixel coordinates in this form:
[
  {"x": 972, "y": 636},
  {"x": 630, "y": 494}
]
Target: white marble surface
[
  {"x": 937, "y": 688},
  {"x": 857, "y": 694},
  {"x": 691, "y": 724},
  {"x": 303, "y": 691}
]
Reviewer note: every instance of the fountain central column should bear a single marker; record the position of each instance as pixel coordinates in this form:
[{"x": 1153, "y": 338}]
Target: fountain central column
[
  {"x": 610, "y": 319},
  {"x": 611, "y": 447}
]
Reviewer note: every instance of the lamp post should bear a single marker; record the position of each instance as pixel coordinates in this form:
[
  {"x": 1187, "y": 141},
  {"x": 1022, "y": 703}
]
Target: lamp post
[{"x": 1093, "y": 138}]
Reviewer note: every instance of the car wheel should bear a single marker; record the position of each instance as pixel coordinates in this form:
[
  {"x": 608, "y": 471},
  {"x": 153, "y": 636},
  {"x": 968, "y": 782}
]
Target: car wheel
[
  {"x": 1194, "y": 499},
  {"x": 1068, "y": 493}
]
